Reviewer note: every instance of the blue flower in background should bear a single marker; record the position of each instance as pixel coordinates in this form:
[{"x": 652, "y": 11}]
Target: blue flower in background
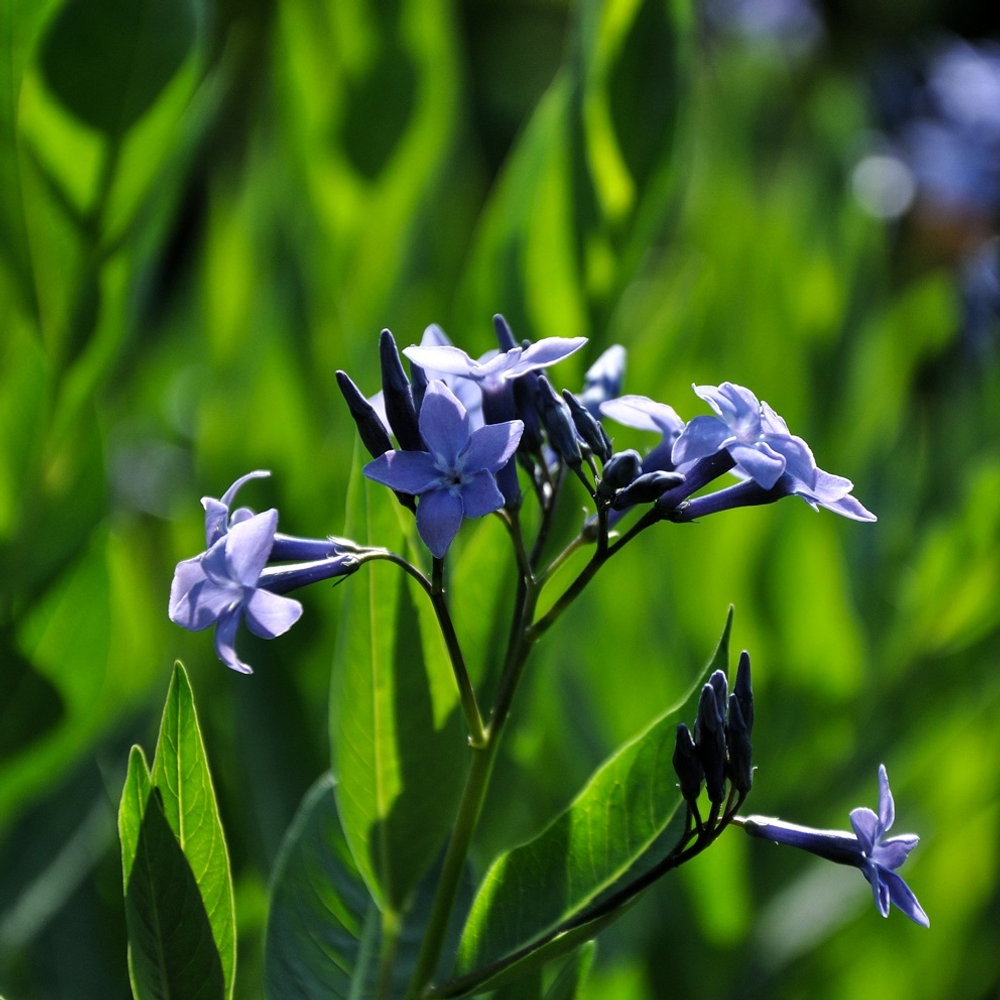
[
  {"x": 454, "y": 478},
  {"x": 221, "y": 587},
  {"x": 867, "y": 849},
  {"x": 751, "y": 432}
]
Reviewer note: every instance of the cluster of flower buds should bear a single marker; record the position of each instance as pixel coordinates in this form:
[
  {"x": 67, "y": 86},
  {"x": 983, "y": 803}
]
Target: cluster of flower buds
[{"x": 719, "y": 752}]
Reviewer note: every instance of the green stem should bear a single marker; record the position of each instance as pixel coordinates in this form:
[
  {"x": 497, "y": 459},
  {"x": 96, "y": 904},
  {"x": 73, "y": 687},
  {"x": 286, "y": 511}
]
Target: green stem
[
  {"x": 390, "y": 940},
  {"x": 436, "y": 592},
  {"x": 466, "y": 820},
  {"x": 473, "y": 718}
]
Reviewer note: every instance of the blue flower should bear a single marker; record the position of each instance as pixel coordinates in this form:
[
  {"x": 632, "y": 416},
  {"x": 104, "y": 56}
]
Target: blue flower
[
  {"x": 231, "y": 582},
  {"x": 867, "y": 849},
  {"x": 221, "y": 587},
  {"x": 751, "y": 432},
  {"x": 454, "y": 478}
]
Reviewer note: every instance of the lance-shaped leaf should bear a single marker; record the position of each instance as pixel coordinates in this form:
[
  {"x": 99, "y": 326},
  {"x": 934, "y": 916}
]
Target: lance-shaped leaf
[
  {"x": 397, "y": 738},
  {"x": 606, "y": 834},
  {"x": 324, "y": 935},
  {"x": 183, "y": 787},
  {"x": 323, "y": 925},
  {"x": 171, "y": 951}
]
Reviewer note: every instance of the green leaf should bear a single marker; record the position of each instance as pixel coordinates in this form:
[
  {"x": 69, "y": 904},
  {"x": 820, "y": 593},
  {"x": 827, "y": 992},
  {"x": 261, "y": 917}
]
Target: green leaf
[
  {"x": 171, "y": 952},
  {"x": 181, "y": 776},
  {"x": 323, "y": 925},
  {"x": 108, "y": 60},
  {"x": 623, "y": 813},
  {"x": 573, "y": 975},
  {"x": 324, "y": 933},
  {"x": 397, "y": 735}
]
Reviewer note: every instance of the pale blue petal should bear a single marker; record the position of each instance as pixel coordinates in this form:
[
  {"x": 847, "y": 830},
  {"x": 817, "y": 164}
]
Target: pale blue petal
[
  {"x": 770, "y": 422},
  {"x": 731, "y": 402},
  {"x": 439, "y": 516},
  {"x": 543, "y": 353},
  {"x": 444, "y": 424},
  {"x": 447, "y": 359},
  {"x": 491, "y": 446},
  {"x": 762, "y": 463},
  {"x": 799, "y": 461},
  {"x": 703, "y": 436},
  {"x": 866, "y": 828},
  {"x": 886, "y": 807},
  {"x": 225, "y": 641},
  {"x": 195, "y": 602},
  {"x": 407, "y": 471},
  {"x": 644, "y": 414},
  {"x": 880, "y": 889},
  {"x": 269, "y": 615},
  {"x": 481, "y": 495},
  {"x": 902, "y": 897},
  {"x": 216, "y": 520},
  {"x": 230, "y": 495},
  {"x": 248, "y": 545},
  {"x": 893, "y": 852}
]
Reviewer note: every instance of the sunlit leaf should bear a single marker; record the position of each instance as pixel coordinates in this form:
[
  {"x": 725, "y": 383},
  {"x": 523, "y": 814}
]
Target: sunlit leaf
[
  {"x": 182, "y": 781},
  {"x": 323, "y": 925},
  {"x": 171, "y": 948},
  {"x": 397, "y": 736}
]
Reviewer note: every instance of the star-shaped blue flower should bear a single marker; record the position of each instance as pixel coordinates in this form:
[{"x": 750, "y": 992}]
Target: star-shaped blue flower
[
  {"x": 221, "y": 587},
  {"x": 454, "y": 478},
  {"x": 753, "y": 434},
  {"x": 868, "y": 848}
]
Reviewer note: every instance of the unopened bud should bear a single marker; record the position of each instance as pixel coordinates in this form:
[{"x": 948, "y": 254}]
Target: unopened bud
[
  {"x": 374, "y": 436},
  {"x": 687, "y": 764},
  {"x": 588, "y": 427},
  {"x": 558, "y": 423},
  {"x": 646, "y": 488},
  {"x": 619, "y": 471},
  {"x": 740, "y": 750},
  {"x": 710, "y": 740},
  {"x": 743, "y": 690},
  {"x": 399, "y": 407}
]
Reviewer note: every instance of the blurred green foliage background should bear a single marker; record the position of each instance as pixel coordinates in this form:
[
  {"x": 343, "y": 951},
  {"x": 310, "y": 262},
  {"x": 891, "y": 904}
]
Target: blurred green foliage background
[{"x": 208, "y": 207}]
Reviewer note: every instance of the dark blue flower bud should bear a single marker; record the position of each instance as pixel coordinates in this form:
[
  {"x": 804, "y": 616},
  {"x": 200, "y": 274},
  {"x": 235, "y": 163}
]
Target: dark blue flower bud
[
  {"x": 743, "y": 690},
  {"x": 399, "y": 407},
  {"x": 588, "y": 427},
  {"x": 646, "y": 488},
  {"x": 558, "y": 423},
  {"x": 505, "y": 337},
  {"x": 525, "y": 391},
  {"x": 738, "y": 744},
  {"x": 710, "y": 740},
  {"x": 687, "y": 764},
  {"x": 721, "y": 687},
  {"x": 418, "y": 386},
  {"x": 619, "y": 471},
  {"x": 374, "y": 436}
]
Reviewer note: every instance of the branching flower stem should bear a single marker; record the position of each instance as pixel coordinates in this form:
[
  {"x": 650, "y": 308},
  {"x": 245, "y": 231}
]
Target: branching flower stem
[{"x": 436, "y": 592}]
